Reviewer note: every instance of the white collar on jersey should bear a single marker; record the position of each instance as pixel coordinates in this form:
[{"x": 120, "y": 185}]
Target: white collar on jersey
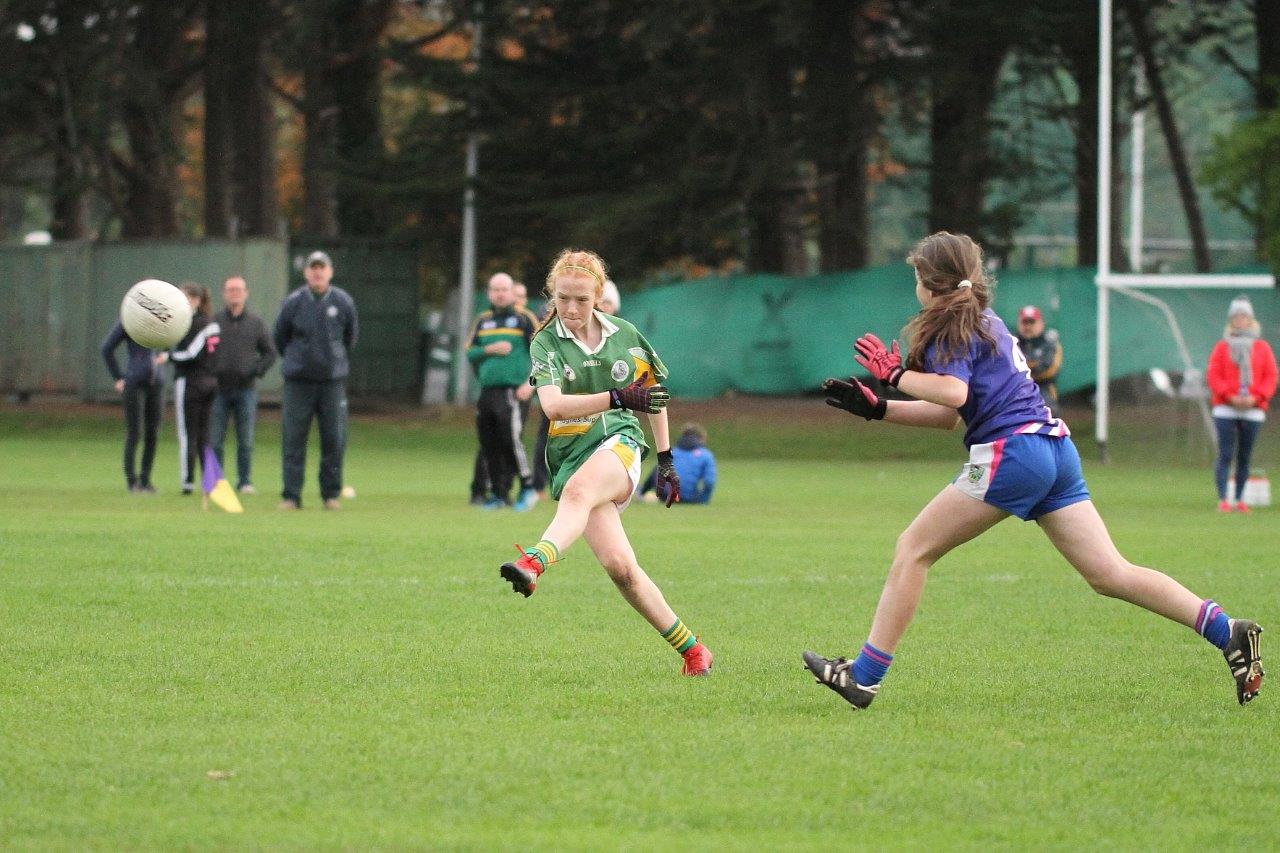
[{"x": 607, "y": 326}]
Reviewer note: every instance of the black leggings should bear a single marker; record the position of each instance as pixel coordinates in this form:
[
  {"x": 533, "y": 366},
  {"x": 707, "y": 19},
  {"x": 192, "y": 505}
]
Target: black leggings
[
  {"x": 197, "y": 393},
  {"x": 141, "y": 415}
]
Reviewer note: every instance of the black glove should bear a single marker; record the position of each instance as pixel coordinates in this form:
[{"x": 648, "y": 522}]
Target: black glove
[
  {"x": 638, "y": 398},
  {"x": 668, "y": 479},
  {"x": 855, "y": 398}
]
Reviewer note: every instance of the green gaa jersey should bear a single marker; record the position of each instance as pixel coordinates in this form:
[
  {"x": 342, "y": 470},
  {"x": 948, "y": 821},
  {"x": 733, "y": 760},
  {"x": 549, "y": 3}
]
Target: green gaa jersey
[{"x": 562, "y": 360}]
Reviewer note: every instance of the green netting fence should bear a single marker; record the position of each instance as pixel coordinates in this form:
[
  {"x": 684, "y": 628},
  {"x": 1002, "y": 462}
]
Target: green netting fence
[
  {"x": 781, "y": 335},
  {"x": 57, "y": 302}
]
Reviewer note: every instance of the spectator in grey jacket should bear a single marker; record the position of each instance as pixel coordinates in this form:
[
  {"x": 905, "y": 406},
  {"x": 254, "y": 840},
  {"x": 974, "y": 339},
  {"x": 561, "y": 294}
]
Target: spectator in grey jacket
[
  {"x": 244, "y": 355},
  {"x": 314, "y": 333}
]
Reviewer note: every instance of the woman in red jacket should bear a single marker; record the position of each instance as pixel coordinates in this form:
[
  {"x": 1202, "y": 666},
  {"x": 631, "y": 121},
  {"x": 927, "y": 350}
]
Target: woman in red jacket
[{"x": 1242, "y": 379}]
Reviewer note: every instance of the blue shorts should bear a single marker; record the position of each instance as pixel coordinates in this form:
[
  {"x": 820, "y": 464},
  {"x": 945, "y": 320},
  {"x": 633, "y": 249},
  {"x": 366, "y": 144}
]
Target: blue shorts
[{"x": 1025, "y": 475}]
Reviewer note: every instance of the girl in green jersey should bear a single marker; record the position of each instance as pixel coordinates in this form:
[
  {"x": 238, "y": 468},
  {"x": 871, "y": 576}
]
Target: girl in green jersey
[{"x": 593, "y": 373}]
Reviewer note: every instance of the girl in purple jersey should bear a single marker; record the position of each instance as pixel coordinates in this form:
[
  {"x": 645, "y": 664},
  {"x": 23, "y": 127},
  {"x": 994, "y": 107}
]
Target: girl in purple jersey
[{"x": 963, "y": 364}]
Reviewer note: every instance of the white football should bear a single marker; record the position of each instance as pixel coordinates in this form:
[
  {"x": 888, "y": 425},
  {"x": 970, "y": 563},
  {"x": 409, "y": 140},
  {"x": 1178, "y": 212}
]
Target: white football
[{"x": 155, "y": 314}]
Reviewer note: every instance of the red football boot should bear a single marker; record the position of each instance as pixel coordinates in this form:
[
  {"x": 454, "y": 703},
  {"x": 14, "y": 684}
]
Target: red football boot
[
  {"x": 697, "y": 660},
  {"x": 523, "y": 573},
  {"x": 1241, "y": 506}
]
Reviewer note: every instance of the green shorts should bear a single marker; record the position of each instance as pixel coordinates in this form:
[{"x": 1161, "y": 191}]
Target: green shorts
[{"x": 628, "y": 452}]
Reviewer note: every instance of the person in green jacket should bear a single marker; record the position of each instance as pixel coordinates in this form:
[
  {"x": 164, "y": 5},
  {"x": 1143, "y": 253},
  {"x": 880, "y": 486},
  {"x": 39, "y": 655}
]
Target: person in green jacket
[{"x": 499, "y": 352}]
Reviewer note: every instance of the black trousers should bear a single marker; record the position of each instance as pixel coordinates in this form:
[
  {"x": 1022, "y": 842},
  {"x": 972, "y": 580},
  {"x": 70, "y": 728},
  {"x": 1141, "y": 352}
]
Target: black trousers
[
  {"x": 480, "y": 476},
  {"x": 141, "y": 418},
  {"x": 500, "y": 425},
  {"x": 327, "y": 402},
  {"x": 193, "y": 400},
  {"x": 541, "y": 476},
  {"x": 480, "y": 483}
]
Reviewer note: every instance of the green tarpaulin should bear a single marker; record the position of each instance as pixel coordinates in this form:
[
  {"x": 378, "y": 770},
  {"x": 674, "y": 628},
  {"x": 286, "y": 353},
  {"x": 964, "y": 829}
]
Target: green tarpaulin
[{"x": 780, "y": 335}]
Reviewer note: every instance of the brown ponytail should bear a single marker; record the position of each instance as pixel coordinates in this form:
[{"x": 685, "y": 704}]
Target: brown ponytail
[
  {"x": 953, "y": 318},
  {"x": 573, "y": 262},
  {"x": 205, "y": 305}
]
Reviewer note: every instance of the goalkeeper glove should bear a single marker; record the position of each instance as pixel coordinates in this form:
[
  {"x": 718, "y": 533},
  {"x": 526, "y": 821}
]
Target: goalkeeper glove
[
  {"x": 884, "y": 364},
  {"x": 668, "y": 479},
  {"x": 638, "y": 398},
  {"x": 855, "y": 398}
]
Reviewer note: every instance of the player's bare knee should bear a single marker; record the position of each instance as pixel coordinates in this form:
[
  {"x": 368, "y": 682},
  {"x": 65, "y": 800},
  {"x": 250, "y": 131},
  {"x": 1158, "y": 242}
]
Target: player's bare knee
[
  {"x": 575, "y": 494},
  {"x": 1109, "y": 578},
  {"x": 912, "y": 552}
]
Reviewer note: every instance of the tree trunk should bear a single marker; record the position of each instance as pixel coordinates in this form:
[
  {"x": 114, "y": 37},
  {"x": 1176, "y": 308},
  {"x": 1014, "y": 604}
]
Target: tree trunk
[
  {"x": 1079, "y": 43},
  {"x": 217, "y": 142},
  {"x": 965, "y": 67},
  {"x": 157, "y": 72},
  {"x": 1267, "y": 19},
  {"x": 767, "y": 251},
  {"x": 151, "y": 193},
  {"x": 320, "y": 214},
  {"x": 841, "y": 119},
  {"x": 357, "y": 86},
  {"x": 251, "y": 125},
  {"x": 1173, "y": 139},
  {"x": 68, "y": 190}
]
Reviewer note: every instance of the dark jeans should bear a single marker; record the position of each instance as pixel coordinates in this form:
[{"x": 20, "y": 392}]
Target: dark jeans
[
  {"x": 1229, "y": 430},
  {"x": 141, "y": 415},
  {"x": 327, "y": 402},
  {"x": 243, "y": 404}
]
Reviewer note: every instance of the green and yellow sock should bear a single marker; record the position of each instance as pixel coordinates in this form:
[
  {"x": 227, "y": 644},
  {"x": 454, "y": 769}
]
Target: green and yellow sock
[
  {"x": 545, "y": 552},
  {"x": 680, "y": 637}
]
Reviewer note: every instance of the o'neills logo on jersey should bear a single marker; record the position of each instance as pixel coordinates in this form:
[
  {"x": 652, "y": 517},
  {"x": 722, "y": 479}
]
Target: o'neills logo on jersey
[
  {"x": 591, "y": 362},
  {"x": 157, "y": 309},
  {"x": 620, "y": 370}
]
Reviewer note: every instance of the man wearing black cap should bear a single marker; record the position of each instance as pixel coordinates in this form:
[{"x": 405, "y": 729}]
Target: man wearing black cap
[
  {"x": 315, "y": 331},
  {"x": 1043, "y": 351}
]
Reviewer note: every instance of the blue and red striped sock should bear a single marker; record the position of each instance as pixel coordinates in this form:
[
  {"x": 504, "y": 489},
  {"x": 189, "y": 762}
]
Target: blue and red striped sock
[
  {"x": 870, "y": 665},
  {"x": 1213, "y": 624}
]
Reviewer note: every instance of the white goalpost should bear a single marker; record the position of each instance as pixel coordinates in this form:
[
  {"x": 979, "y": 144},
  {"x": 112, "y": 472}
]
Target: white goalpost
[{"x": 1128, "y": 284}]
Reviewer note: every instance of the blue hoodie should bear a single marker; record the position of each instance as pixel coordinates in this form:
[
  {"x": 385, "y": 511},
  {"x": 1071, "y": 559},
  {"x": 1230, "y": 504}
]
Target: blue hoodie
[{"x": 696, "y": 466}]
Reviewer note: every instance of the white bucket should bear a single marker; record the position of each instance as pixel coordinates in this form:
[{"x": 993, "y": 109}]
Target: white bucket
[{"x": 1257, "y": 489}]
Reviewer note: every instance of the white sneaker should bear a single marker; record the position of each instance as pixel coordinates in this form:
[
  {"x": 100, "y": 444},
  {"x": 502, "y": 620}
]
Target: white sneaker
[{"x": 247, "y": 489}]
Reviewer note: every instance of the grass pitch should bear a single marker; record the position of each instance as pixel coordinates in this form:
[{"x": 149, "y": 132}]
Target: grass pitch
[{"x": 171, "y": 678}]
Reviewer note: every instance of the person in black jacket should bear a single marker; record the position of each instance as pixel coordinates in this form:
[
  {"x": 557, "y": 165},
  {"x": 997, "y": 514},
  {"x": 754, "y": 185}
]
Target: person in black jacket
[
  {"x": 245, "y": 353},
  {"x": 194, "y": 383},
  {"x": 315, "y": 331},
  {"x": 142, "y": 385}
]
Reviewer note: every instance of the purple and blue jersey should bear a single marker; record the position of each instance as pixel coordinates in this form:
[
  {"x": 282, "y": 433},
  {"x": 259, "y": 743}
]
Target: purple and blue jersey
[
  {"x": 1021, "y": 458},
  {"x": 1003, "y": 398}
]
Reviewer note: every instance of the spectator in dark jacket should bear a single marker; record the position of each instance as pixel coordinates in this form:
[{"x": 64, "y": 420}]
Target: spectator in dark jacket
[
  {"x": 314, "y": 334},
  {"x": 245, "y": 353},
  {"x": 1043, "y": 351},
  {"x": 142, "y": 385}
]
